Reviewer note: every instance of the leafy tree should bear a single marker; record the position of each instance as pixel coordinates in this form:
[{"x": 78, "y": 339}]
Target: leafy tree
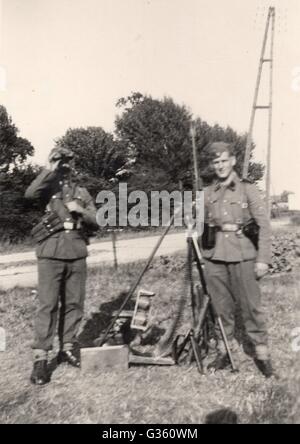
[
  {"x": 152, "y": 151},
  {"x": 157, "y": 136},
  {"x": 156, "y": 133},
  {"x": 14, "y": 150},
  {"x": 206, "y": 134},
  {"x": 97, "y": 156},
  {"x": 16, "y": 216}
]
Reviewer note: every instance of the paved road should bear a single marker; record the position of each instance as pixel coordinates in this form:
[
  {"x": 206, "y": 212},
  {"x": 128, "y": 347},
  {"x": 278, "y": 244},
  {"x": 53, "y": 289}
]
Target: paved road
[{"x": 128, "y": 250}]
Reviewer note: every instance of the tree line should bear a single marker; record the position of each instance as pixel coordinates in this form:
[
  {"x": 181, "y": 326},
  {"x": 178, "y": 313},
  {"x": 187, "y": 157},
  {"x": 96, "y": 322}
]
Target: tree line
[{"x": 150, "y": 149}]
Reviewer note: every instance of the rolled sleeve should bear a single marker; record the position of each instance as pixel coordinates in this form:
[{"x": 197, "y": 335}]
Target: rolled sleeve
[{"x": 41, "y": 187}]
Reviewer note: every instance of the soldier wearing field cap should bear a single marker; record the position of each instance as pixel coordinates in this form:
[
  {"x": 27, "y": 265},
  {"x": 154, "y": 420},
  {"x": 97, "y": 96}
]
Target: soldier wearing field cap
[
  {"x": 236, "y": 248},
  {"x": 61, "y": 252}
]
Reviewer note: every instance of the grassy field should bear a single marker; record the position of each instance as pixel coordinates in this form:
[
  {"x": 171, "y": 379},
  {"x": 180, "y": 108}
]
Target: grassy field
[{"x": 149, "y": 394}]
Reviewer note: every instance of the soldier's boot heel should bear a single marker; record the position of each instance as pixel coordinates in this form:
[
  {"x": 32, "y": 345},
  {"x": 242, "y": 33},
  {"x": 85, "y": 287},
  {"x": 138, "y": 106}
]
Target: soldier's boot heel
[
  {"x": 265, "y": 367},
  {"x": 40, "y": 374}
]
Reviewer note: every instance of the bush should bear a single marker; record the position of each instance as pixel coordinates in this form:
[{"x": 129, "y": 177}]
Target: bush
[
  {"x": 295, "y": 220},
  {"x": 283, "y": 252},
  {"x": 17, "y": 215}
]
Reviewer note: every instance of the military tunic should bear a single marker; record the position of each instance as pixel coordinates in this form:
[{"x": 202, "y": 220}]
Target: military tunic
[
  {"x": 237, "y": 204},
  {"x": 61, "y": 263},
  {"x": 230, "y": 263}
]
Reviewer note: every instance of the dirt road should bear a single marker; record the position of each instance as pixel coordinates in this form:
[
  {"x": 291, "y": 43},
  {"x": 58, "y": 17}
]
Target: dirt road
[
  {"x": 20, "y": 269},
  {"x": 128, "y": 250}
]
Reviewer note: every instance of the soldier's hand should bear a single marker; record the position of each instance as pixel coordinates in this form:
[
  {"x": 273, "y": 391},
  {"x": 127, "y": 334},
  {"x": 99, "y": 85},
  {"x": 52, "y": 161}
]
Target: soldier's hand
[
  {"x": 261, "y": 269},
  {"x": 53, "y": 166},
  {"x": 75, "y": 207}
]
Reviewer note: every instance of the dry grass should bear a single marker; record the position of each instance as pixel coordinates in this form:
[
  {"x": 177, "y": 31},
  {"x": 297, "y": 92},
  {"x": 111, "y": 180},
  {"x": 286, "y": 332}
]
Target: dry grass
[{"x": 148, "y": 394}]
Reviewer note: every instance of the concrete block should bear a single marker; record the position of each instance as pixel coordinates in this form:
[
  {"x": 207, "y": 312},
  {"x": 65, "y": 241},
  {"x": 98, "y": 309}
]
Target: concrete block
[{"x": 103, "y": 359}]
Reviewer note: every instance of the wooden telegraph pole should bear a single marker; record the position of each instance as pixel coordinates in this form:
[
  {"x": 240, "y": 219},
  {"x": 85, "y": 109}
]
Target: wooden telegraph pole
[
  {"x": 270, "y": 27},
  {"x": 197, "y": 180}
]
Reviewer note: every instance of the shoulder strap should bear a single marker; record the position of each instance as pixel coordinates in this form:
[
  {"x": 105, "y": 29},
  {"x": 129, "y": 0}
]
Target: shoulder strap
[
  {"x": 208, "y": 190},
  {"x": 245, "y": 201}
]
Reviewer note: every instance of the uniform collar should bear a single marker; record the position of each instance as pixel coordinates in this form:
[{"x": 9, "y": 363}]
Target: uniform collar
[{"x": 231, "y": 186}]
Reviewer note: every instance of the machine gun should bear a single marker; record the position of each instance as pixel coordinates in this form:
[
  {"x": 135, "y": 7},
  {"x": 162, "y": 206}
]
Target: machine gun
[{"x": 197, "y": 337}]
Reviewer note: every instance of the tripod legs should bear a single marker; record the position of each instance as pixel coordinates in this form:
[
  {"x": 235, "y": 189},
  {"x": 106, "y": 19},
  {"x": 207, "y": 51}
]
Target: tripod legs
[
  {"x": 207, "y": 303},
  {"x": 197, "y": 352},
  {"x": 232, "y": 363},
  {"x": 189, "y": 338}
]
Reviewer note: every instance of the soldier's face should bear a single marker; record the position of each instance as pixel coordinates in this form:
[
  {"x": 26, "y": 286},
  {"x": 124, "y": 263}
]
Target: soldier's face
[{"x": 224, "y": 165}]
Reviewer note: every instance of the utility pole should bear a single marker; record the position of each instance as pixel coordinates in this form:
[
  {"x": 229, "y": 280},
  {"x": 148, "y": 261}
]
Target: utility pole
[
  {"x": 197, "y": 180},
  {"x": 268, "y": 172},
  {"x": 270, "y": 28}
]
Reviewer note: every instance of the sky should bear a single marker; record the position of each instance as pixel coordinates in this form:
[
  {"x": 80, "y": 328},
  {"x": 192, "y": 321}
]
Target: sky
[{"x": 65, "y": 63}]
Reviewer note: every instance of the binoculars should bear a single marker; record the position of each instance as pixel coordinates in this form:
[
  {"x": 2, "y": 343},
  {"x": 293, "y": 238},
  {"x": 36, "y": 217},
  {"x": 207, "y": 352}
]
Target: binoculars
[
  {"x": 64, "y": 155},
  {"x": 62, "y": 158}
]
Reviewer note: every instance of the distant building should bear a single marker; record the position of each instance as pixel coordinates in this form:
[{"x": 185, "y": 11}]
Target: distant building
[{"x": 283, "y": 206}]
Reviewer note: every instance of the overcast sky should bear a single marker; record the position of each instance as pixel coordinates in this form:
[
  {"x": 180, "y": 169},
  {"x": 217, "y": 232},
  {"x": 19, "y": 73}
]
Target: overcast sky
[{"x": 68, "y": 61}]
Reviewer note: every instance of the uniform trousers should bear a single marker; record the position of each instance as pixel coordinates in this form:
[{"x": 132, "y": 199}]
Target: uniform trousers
[
  {"x": 231, "y": 283},
  {"x": 61, "y": 286}
]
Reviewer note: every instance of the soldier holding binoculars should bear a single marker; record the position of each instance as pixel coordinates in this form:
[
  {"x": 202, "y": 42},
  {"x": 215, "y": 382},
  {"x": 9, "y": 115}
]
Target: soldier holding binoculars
[{"x": 61, "y": 252}]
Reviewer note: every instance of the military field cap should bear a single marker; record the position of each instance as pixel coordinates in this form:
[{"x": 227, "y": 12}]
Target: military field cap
[
  {"x": 59, "y": 153},
  {"x": 216, "y": 149}
]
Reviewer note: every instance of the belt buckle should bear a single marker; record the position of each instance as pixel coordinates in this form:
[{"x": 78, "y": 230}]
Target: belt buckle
[
  {"x": 230, "y": 227},
  {"x": 68, "y": 226}
]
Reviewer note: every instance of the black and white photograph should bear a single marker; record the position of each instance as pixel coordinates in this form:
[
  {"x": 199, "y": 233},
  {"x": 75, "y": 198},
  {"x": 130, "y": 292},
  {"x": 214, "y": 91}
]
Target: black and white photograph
[{"x": 149, "y": 214}]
